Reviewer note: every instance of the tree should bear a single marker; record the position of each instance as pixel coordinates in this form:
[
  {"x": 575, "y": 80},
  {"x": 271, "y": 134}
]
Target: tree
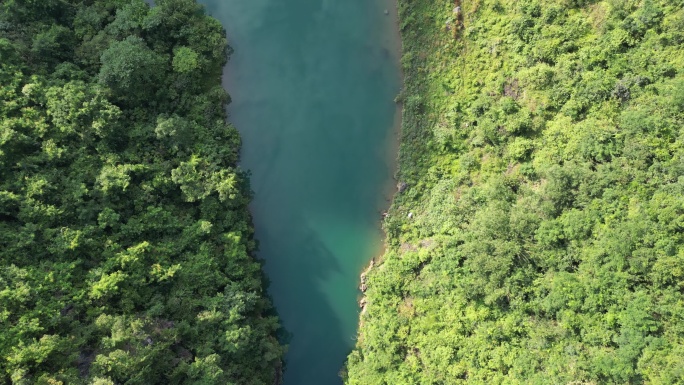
[{"x": 131, "y": 69}]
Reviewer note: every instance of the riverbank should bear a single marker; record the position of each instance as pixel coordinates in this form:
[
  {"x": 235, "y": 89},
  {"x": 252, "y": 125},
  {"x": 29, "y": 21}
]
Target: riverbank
[
  {"x": 391, "y": 156},
  {"x": 409, "y": 140}
]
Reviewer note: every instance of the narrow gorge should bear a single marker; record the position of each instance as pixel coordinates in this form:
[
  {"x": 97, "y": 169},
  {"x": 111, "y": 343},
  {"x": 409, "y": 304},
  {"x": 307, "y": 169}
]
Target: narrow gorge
[{"x": 313, "y": 86}]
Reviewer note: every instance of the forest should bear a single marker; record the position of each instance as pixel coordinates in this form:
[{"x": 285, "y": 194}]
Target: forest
[
  {"x": 126, "y": 247},
  {"x": 538, "y": 234}
]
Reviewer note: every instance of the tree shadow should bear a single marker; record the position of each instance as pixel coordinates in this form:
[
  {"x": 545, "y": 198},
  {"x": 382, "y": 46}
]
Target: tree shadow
[{"x": 297, "y": 261}]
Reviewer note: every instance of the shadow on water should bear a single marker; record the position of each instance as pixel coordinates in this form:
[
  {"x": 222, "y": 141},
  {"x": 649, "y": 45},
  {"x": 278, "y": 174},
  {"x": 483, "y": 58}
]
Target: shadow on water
[
  {"x": 308, "y": 319},
  {"x": 310, "y": 323}
]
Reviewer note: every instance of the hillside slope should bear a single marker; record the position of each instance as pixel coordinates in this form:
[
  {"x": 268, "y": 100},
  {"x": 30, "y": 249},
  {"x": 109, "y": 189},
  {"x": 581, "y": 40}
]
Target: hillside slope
[
  {"x": 125, "y": 241},
  {"x": 540, "y": 239}
]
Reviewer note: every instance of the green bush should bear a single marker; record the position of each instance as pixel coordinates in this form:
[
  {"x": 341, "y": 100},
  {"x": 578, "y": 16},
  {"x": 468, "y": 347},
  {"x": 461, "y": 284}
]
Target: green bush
[{"x": 545, "y": 245}]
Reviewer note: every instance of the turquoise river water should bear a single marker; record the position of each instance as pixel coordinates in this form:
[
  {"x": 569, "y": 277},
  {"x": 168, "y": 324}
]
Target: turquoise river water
[{"x": 313, "y": 84}]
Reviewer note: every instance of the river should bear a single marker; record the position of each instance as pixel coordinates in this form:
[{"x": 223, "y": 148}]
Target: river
[{"x": 313, "y": 83}]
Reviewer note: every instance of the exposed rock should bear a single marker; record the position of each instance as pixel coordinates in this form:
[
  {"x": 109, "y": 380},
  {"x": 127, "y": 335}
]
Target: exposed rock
[
  {"x": 512, "y": 89},
  {"x": 406, "y": 247},
  {"x": 428, "y": 243},
  {"x": 402, "y": 186},
  {"x": 364, "y": 286}
]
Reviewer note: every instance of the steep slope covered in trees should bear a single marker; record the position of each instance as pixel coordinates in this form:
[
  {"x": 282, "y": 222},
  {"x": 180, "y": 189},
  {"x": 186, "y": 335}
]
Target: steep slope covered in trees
[
  {"x": 543, "y": 151},
  {"x": 125, "y": 242}
]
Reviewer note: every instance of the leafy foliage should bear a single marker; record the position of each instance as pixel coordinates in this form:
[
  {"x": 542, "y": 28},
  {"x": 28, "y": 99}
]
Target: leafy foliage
[
  {"x": 543, "y": 151},
  {"x": 125, "y": 241}
]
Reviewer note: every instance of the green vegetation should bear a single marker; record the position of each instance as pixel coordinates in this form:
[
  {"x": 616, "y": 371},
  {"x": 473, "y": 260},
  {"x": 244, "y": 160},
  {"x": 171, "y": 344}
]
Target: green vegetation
[
  {"x": 544, "y": 157},
  {"x": 125, "y": 242}
]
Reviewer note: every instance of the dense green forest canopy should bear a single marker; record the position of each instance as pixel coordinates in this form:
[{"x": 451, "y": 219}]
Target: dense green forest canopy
[
  {"x": 543, "y": 151},
  {"x": 125, "y": 241}
]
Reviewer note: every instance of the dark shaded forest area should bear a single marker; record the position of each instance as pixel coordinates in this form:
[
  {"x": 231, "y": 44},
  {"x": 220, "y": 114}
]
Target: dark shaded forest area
[{"x": 125, "y": 241}]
